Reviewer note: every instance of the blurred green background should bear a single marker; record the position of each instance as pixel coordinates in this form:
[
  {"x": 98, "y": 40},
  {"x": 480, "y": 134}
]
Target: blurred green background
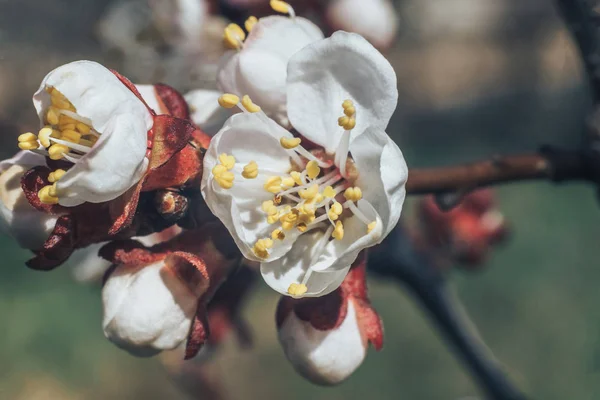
[{"x": 476, "y": 78}]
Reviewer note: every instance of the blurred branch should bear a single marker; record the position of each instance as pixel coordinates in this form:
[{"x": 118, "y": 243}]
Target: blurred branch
[
  {"x": 397, "y": 258},
  {"x": 583, "y": 19},
  {"x": 552, "y": 164}
]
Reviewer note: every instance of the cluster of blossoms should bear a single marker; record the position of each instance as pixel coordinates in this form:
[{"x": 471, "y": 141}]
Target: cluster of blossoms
[{"x": 298, "y": 182}]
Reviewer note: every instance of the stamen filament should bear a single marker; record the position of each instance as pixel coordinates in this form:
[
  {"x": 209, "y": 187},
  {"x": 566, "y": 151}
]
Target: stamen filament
[{"x": 352, "y": 207}]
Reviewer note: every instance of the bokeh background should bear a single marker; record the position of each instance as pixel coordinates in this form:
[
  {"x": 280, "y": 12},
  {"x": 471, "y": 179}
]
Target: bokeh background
[{"x": 476, "y": 78}]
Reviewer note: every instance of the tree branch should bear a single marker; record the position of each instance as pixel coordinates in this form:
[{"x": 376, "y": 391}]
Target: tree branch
[
  {"x": 398, "y": 259},
  {"x": 552, "y": 164}
]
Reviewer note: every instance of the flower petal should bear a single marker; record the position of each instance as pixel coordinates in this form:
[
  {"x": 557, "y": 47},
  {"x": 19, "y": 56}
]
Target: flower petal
[
  {"x": 115, "y": 163},
  {"x": 247, "y": 138},
  {"x": 324, "y": 74},
  {"x": 28, "y": 226},
  {"x": 259, "y": 69},
  {"x": 205, "y": 110},
  {"x": 148, "y": 93},
  {"x": 118, "y": 160},
  {"x": 382, "y": 175},
  {"x": 292, "y": 268},
  {"x": 340, "y": 253}
]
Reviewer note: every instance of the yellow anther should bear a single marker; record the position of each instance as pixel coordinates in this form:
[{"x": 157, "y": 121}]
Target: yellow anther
[
  {"x": 64, "y": 119},
  {"x": 338, "y": 232},
  {"x": 71, "y": 136},
  {"x": 307, "y": 209},
  {"x": 234, "y": 36},
  {"x": 272, "y": 218},
  {"x": 250, "y": 170},
  {"x": 371, "y": 226},
  {"x": 280, "y": 6},
  {"x": 66, "y": 127},
  {"x": 45, "y": 134},
  {"x": 27, "y": 137},
  {"x": 350, "y": 111},
  {"x": 28, "y": 145},
  {"x": 288, "y": 182},
  {"x": 225, "y": 179},
  {"x": 277, "y": 234},
  {"x": 353, "y": 194},
  {"x": 219, "y": 169},
  {"x": 61, "y": 102},
  {"x": 45, "y": 197},
  {"x": 56, "y": 175},
  {"x": 302, "y": 227},
  {"x": 266, "y": 205},
  {"x": 28, "y": 141},
  {"x": 250, "y": 22},
  {"x": 289, "y": 143},
  {"x": 347, "y": 104},
  {"x": 227, "y": 160},
  {"x": 310, "y": 193},
  {"x": 348, "y": 123},
  {"x": 296, "y": 176},
  {"x": 83, "y": 128},
  {"x": 273, "y": 184},
  {"x": 228, "y": 100},
  {"x": 52, "y": 190},
  {"x": 249, "y": 105},
  {"x": 312, "y": 169},
  {"x": 337, "y": 208},
  {"x": 261, "y": 247},
  {"x": 52, "y": 116},
  {"x": 329, "y": 192},
  {"x": 277, "y": 200},
  {"x": 297, "y": 289},
  {"x": 318, "y": 198},
  {"x": 56, "y": 151},
  {"x": 289, "y": 220}
]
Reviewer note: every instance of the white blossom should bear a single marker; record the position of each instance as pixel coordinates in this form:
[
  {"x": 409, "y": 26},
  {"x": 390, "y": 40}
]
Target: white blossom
[
  {"x": 91, "y": 120},
  {"x": 325, "y": 357},
  {"x": 305, "y": 216},
  {"x": 147, "y": 309}
]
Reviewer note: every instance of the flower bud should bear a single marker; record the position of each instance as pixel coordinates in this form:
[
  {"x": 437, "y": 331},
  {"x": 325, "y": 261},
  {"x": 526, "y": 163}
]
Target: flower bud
[
  {"x": 324, "y": 357},
  {"x": 149, "y": 309}
]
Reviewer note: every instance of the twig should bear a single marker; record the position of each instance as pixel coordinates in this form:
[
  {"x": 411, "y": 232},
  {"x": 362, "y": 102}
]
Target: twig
[
  {"x": 398, "y": 259},
  {"x": 553, "y": 164}
]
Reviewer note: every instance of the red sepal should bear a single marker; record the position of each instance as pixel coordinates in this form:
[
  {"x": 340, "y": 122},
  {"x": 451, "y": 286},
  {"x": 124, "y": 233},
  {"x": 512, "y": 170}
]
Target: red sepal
[
  {"x": 170, "y": 135},
  {"x": 199, "y": 334},
  {"x": 32, "y": 181},
  {"x": 173, "y": 101},
  {"x": 57, "y": 248}
]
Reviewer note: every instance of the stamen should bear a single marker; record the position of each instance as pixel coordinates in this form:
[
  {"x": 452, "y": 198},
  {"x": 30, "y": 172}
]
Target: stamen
[
  {"x": 68, "y": 144},
  {"x": 28, "y": 141},
  {"x": 57, "y": 151},
  {"x": 312, "y": 169},
  {"x": 273, "y": 184},
  {"x": 350, "y": 205},
  {"x": 225, "y": 179},
  {"x": 371, "y": 226},
  {"x": 228, "y": 100},
  {"x": 338, "y": 232},
  {"x": 45, "y": 134},
  {"x": 250, "y": 170},
  {"x": 45, "y": 196},
  {"x": 233, "y": 37},
  {"x": 249, "y": 105},
  {"x": 250, "y": 22},
  {"x": 277, "y": 234},
  {"x": 261, "y": 247},
  {"x": 227, "y": 160},
  {"x": 283, "y": 7},
  {"x": 56, "y": 175},
  {"x": 353, "y": 194},
  {"x": 296, "y": 289},
  {"x": 289, "y": 143}
]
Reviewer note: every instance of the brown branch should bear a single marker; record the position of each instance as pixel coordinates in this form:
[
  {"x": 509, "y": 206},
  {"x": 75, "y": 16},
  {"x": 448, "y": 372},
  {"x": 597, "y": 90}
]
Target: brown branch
[{"x": 556, "y": 165}]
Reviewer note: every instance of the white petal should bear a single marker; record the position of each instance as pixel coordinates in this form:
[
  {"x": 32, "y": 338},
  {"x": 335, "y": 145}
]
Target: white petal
[
  {"x": 147, "y": 309},
  {"x": 259, "y": 69},
  {"x": 338, "y": 254},
  {"x": 87, "y": 265},
  {"x": 324, "y": 74},
  {"x": 244, "y": 136},
  {"x": 115, "y": 163},
  {"x": 382, "y": 175},
  {"x": 28, "y": 226},
  {"x": 375, "y": 20},
  {"x": 293, "y": 266},
  {"x": 323, "y": 357},
  {"x": 118, "y": 160},
  {"x": 151, "y": 98},
  {"x": 205, "y": 110}
]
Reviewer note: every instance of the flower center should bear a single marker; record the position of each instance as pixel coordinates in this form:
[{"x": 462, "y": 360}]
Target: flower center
[
  {"x": 65, "y": 136},
  {"x": 318, "y": 193}
]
